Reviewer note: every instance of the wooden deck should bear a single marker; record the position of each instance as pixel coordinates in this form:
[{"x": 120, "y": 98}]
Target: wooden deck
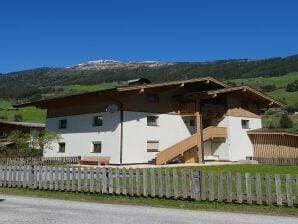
[{"x": 187, "y": 147}]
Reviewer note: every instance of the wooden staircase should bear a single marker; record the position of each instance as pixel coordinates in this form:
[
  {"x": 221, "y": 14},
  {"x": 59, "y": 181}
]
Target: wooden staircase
[{"x": 180, "y": 148}]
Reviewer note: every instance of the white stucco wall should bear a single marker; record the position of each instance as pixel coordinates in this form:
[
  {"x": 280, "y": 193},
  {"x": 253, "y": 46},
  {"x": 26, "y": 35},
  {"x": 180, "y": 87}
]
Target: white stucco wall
[
  {"x": 170, "y": 130},
  {"x": 80, "y": 133},
  {"x": 238, "y": 141}
]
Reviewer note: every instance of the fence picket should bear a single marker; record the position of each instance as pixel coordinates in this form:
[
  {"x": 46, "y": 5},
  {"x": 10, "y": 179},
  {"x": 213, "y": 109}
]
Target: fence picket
[
  {"x": 138, "y": 182},
  {"x": 220, "y": 187},
  {"x": 203, "y": 185},
  {"x": 248, "y": 188},
  {"x": 104, "y": 180},
  {"x": 239, "y": 188},
  {"x": 289, "y": 190},
  {"x": 51, "y": 177},
  {"x": 56, "y": 178},
  {"x": 130, "y": 182},
  {"x": 278, "y": 189},
  {"x": 229, "y": 187},
  {"x": 258, "y": 188},
  {"x": 85, "y": 175},
  {"x": 73, "y": 179},
  {"x": 152, "y": 181},
  {"x": 168, "y": 183},
  {"x": 211, "y": 186},
  {"x": 67, "y": 181},
  {"x": 184, "y": 186},
  {"x": 91, "y": 189},
  {"x": 111, "y": 180},
  {"x": 175, "y": 183},
  {"x": 79, "y": 181},
  {"x": 124, "y": 181},
  {"x": 97, "y": 176},
  {"x": 160, "y": 183},
  {"x": 145, "y": 181},
  {"x": 117, "y": 181},
  {"x": 268, "y": 189}
]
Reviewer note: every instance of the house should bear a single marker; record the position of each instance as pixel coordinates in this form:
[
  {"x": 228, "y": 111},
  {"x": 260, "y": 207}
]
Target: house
[
  {"x": 6, "y": 127},
  {"x": 179, "y": 121}
]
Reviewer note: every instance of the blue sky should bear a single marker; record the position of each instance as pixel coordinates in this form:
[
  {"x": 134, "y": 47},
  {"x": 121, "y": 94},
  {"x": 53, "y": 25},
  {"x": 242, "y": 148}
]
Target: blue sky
[{"x": 58, "y": 33}]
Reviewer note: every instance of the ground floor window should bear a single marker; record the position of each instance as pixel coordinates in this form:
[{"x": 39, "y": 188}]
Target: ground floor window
[
  {"x": 152, "y": 146},
  {"x": 61, "y": 147},
  {"x": 96, "y": 147}
]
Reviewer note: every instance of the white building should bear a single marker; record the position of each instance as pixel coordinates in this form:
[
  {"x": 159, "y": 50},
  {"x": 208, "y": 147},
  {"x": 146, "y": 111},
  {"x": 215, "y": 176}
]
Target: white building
[{"x": 180, "y": 121}]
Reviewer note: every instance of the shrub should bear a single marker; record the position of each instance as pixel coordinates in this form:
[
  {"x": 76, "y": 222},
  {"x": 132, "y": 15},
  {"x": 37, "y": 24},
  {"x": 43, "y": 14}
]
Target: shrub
[{"x": 285, "y": 121}]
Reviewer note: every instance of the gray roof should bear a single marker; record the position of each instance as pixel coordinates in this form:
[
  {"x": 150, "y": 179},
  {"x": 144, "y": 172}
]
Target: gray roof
[{"x": 24, "y": 124}]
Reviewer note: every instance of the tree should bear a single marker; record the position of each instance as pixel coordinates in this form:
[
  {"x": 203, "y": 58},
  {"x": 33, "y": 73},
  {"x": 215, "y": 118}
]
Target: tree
[
  {"x": 285, "y": 121},
  {"x": 292, "y": 87},
  {"x": 33, "y": 144}
]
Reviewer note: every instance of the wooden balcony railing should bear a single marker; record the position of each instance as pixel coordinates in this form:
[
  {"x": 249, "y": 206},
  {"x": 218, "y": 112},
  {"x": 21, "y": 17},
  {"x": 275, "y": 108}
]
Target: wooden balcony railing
[{"x": 214, "y": 132}]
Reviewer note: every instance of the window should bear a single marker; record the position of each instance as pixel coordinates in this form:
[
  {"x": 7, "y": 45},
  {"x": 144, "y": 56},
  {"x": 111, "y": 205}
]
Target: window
[
  {"x": 152, "y": 120},
  {"x": 245, "y": 124},
  {"x": 96, "y": 147},
  {"x": 192, "y": 122},
  {"x": 152, "y": 97},
  {"x": 62, "y": 124},
  {"x": 97, "y": 121},
  {"x": 61, "y": 147},
  {"x": 152, "y": 146}
]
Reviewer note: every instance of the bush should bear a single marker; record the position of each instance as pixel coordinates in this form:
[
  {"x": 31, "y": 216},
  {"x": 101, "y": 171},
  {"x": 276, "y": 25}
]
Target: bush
[
  {"x": 18, "y": 117},
  {"x": 292, "y": 87},
  {"x": 285, "y": 121}
]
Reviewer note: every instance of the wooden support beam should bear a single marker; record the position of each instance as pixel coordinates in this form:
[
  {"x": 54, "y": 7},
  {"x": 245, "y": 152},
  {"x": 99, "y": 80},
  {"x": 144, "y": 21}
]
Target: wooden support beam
[{"x": 199, "y": 132}]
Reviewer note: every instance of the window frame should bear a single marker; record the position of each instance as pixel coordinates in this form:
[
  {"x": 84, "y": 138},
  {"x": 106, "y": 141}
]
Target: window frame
[
  {"x": 94, "y": 121},
  {"x": 96, "y": 143},
  {"x": 156, "y": 123},
  {"x": 245, "y": 124},
  {"x": 60, "y": 126},
  {"x": 59, "y": 147},
  {"x": 153, "y": 142}
]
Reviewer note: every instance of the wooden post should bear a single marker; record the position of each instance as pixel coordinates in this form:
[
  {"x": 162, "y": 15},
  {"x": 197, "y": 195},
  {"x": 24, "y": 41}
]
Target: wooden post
[
  {"x": 184, "y": 186},
  {"x": 138, "y": 182},
  {"x": 152, "y": 181},
  {"x": 123, "y": 181},
  {"x": 168, "y": 183},
  {"x": 211, "y": 186},
  {"x": 85, "y": 184},
  {"x": 289, "y": 190},
  {"x": 220, "y": 187},
  {"x": 248, "y": 188},
  {"x": 268, "y": 189},
  {"x": 117, "y": 182},
  {"x": 130, "y": 180},
  {"x": 145, "y": 181},
  {"x": 175, "y": 183},
  {"x": 258, "y": 189},
  {"x": 91, "y": 187},
  {"x": 111, "y": 180},
  {"x": 97, "y": 175},
  {"x": 229, "y": 187},
  {"x": 160, "y": 182},
  {"x": 239, "y": 188},
  {"x": 199, "y": 132},
  {"x": 278, "y": 190}
]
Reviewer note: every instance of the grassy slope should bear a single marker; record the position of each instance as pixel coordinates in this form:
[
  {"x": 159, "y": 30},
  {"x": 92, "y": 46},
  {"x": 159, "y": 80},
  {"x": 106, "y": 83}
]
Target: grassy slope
[{"x": 280, "y": 82}]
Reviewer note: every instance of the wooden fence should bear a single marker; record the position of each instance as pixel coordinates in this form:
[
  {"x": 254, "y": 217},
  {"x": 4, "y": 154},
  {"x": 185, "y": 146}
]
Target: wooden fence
[
  {"x": 277, "y": 160},
  {"x": 158, "y": 182},
  {"x": 43, "y": 161}
]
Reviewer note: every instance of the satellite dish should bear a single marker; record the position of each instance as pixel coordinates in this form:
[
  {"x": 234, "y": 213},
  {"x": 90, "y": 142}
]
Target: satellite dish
[{"x": 112, "y": 108}]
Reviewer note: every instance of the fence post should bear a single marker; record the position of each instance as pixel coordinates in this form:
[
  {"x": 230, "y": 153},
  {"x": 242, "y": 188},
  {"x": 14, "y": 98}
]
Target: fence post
[
  {"x": 220, "y": 187},
  {"x": 211, "y": 186},
  {"x": 258, "y": 189},
  {"x": 85, "y": 180},
  {"x": 152, "y": 181},
  {"x": 45, "y": 179},
  {"x": 79, "y": 177},
  {"x": 248, "y": 188},
  {"x": 168, "y": 183},
  {"x": 62, "y": 178},
  {"x": 229, "y": 187},
  {"x": 268, "y": 189},
  {"x": 123, "y": 181},
  {"x": 111, "y": 180},
  {"x": 104, "y": 180},
  {"x": 145, "y": 182},
  {"x": 196, "y": 180},
  {"x": 203, "y": 185},
  {"x": 130, "y": 181},
  {"x": 117, "y": 181},
  {"x": 39, "y": 177},
  {"x": 91, "y": 180},
  {"x": 160, "y": 182},
  {"x": 19, "y": 178},
  {"x": 56, "y": 178},
  {"x": 239, "y": 188},
  {"x": 184, "y": 186},
  {"x": 175, "y": 183},
  {"x": 73, "y": 179},
  {"x": 278, "y": 190},
  {"x": 289, "y": 190},
  {"x": 67, "y": 179},
  {"x": 51, "y": 178},
  {"x": 138, "y": 182},
  {"x": 14, "y": 176},
  {"x": 98, "y": 184}
]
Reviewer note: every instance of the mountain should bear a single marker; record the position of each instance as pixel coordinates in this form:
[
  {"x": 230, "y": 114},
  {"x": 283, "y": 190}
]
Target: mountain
[{"x": 46, "y": 82}]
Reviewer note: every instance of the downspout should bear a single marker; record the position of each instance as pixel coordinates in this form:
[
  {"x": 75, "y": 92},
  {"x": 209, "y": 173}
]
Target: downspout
[{"x": 121, "y": 132}]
